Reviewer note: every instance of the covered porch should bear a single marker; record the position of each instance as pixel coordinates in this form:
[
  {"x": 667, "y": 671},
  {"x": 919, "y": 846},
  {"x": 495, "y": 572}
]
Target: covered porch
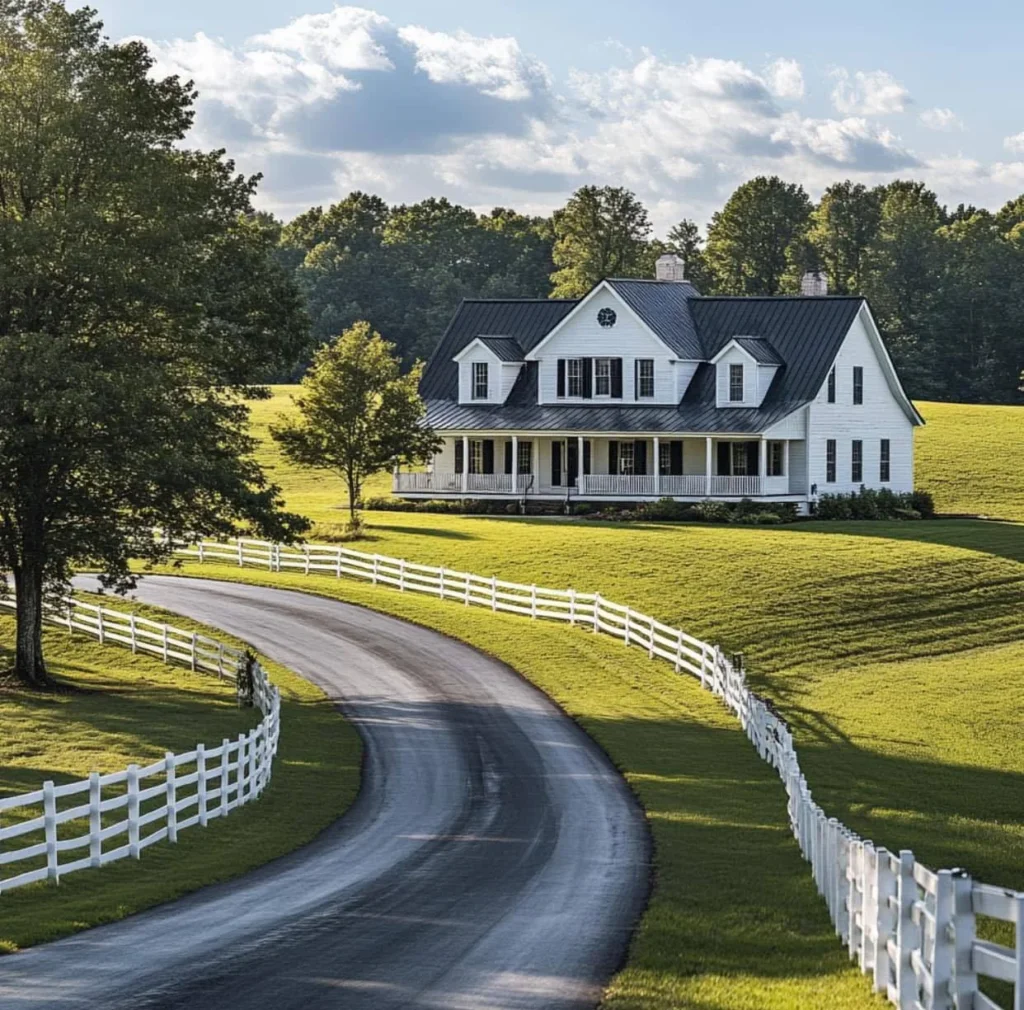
[{"x": 593, "y": 467}]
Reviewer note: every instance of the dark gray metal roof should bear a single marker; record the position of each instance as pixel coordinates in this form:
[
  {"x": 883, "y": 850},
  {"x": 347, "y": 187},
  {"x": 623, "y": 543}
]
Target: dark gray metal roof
[
  {"x": 504, "y": 348},
  {"x": 760, "y": 350},
  {"x": 803, "y": 333},
  {"x": 665, "y": 307},
  {"x": 527, "y": 321}
]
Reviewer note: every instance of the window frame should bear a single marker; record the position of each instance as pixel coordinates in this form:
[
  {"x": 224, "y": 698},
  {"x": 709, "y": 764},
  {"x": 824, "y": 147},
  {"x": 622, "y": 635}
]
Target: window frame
[
  {"x": 830, "y": 391},
  {"x": 524, "y": 450},
  {"x": 476, "y": 455},
  {"x": 736, "y": 371},
  {"x": 858, "y": 385},
  {"x": 642, "y": 380},
  {"x": 665, "y": 458},
  {"x": 776, "y": 445},
  {"x": 830, "y": 461},
  {"x": 599, "y": 378},
  {"x": 477, "y": 367},
  {"x": 627, "y": 459},
  {"x": 884, "y": 461},
  {"x": 857, "y": 461},
  {"x": 574, "y": 365},
  {"x": 738, "y": 451}
]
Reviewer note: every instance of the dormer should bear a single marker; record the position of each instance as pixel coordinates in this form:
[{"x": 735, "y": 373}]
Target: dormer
[
  {"x": 488, "y": 369},
  {"x": 744, "y": 369}
]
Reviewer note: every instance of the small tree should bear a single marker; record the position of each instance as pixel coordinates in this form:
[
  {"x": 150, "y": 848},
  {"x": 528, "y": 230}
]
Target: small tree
[{"x": 358, "y": 414}]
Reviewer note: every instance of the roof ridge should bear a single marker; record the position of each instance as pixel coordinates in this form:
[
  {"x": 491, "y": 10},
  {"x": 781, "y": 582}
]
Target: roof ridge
[
  {"x": 781, "y": 298},
  {"x": 519, "y": 301}
]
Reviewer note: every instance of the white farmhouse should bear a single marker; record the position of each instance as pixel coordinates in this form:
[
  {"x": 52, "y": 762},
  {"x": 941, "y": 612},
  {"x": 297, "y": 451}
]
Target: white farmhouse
[{"x": 644, "y": 389}]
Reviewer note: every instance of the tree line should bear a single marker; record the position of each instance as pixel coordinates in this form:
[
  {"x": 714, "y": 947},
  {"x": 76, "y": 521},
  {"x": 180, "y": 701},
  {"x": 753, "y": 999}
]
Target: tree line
[{"x": 946, "y": 286}]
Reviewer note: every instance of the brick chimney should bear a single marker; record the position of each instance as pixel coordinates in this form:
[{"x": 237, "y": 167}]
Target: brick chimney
[{"x": 670, "y": 267}]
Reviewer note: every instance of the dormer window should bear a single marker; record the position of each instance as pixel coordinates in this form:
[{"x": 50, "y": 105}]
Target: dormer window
[
  {"x": 735, "y": 383},
  {"x": 480, "y": 383}
]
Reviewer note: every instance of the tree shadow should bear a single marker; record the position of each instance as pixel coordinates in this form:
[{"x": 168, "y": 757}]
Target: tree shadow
[{"x": 421, "y": 531}]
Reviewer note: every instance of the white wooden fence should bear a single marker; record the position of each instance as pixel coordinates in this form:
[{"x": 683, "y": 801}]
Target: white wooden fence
[
  {"x": 103, "y": 818},
  {"x": 911, "y": 929}
]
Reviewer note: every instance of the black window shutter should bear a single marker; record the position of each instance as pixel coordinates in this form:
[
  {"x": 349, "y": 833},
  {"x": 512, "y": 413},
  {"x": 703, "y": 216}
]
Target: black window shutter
[
  {"x": 676, "y": 458},
  {"x": 587, "y": 368},
  {"x": 640, "y": 456},
  {"x": 561, "y": 377},
  {"x": 556, "y": 463},
  {"x": 752, "y": 458},
  {"x": 725, "y": 459},
  {"x": 636, "y": 378},
  {"x": 508, "y": 456},
  {"x": 613, "y": 457},
  {"x": 617, "y": 378},
  {"x": 488, "y": 455},
  {"x": 586, "y": 456},
  {"x": 459, "y": 461}
]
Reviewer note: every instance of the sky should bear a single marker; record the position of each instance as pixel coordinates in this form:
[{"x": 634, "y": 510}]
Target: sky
[{"x": 518, "y": 104}]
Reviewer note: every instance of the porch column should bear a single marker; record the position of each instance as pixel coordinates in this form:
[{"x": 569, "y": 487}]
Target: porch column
[
  {"x": 515, "y": 464},
  {"x": 465, "y": 463},
  {"x": 785, "y": 460},
  {"x": 762, "y": 462},
  {"x": 579, "y": 463},
  {"x": 707, "y": 466},
  {"x": 657, "y": 466}
]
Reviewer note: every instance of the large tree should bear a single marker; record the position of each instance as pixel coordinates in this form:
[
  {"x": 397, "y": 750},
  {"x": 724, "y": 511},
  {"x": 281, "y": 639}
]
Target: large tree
[
  {"x": 750, "y": 239},
  {"x": 843, "y": 227},
  {"x": 138, "y": 299},
  {"x": 684, "y": 239},
  {"x": 601, "y": 232},
  {"x": 357, "y": 414}
]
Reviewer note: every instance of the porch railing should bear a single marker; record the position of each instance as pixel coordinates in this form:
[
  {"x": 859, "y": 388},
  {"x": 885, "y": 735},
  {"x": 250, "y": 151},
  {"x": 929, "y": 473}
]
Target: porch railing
[
  {"x": 427, "y": 482},
  {"x": 610, "y": 483},
  {"x": 746, "y": 487}
]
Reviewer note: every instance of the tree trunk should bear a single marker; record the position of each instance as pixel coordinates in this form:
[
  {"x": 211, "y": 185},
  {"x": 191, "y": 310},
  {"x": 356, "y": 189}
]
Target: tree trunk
[
  {"x": 353, "y": 497},
  {"x": 28, "y": 662}
]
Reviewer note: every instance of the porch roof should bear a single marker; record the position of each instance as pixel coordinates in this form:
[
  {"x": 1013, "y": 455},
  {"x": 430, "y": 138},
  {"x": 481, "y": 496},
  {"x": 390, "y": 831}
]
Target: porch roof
[{"x": 445, "y": 415}]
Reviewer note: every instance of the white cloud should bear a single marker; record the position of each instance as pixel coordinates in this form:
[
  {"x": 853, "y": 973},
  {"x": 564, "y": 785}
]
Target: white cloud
[
  {"x": 868, "y": 93},
  {"x": 942, "y": 120},
  {"x": 786, "y": 79},
  {"x": 342, "y": 39},
  {"x": 1015, "y": 143}
]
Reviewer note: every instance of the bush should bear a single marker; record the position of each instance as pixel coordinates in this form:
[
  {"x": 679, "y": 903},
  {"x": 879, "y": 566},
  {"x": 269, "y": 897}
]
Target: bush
[
  {"x": 663, "y": 508},
  {"x": 711, "y": 511},
  {"x": 921, "y": 501},
  {"x": 512, "y": 508},
  {"x": 767, "y": 519},
  {"x": 871, "y": 503},
  {"x": 582, "y": 509}
]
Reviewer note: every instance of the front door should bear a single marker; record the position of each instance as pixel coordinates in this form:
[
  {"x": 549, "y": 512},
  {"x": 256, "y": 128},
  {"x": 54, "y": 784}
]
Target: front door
[
  {"x": 557, "y": 452},
  {"x": 572, "y": 468}
]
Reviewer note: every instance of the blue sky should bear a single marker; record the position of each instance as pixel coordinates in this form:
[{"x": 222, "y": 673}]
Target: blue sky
[{"x": 518, "y": 103}]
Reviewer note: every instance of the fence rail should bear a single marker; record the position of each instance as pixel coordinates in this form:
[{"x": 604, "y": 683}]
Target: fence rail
[
  {"x": 911, "y": 929},
  {"x": 95, "y": 821}
]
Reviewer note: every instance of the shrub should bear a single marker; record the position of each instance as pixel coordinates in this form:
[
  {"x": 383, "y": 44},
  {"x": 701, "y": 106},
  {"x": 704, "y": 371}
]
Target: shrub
[
  {"x": 582, "y": 509},
  {"x": 871, "y": 503},
  {"x": 663, "y": 508},
  {"x": 711, "y": 511},
  {"x": 921, "y": 501},
  {"x": 512, "y": 508},
  {"x": 907, "y": 514},
  {"x": 767, "y": 519}
]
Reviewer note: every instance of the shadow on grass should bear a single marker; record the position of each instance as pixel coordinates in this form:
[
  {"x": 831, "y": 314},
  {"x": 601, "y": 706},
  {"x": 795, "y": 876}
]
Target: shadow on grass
[{"x": 420, "y": 531}]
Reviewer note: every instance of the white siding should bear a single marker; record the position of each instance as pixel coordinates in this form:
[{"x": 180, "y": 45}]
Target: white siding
[
  {"x": 684, "y": 373},
  {"x": 793, "y": 426},
  {"x": 509, "y": 374},
  {"x": 694, "y": 455},
  {"x": 582, "y": 336},
  {"x": 880, "y": 416},
  {"x": 765, "y": 374},
  {"x": 797, "y": 468}
]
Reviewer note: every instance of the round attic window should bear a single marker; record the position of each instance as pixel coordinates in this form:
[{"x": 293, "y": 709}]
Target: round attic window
[{"x": 606, "y": 317}]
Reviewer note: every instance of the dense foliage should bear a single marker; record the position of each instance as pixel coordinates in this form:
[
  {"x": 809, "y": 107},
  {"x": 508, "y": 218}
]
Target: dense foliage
[{"x": 946, "y": 286}]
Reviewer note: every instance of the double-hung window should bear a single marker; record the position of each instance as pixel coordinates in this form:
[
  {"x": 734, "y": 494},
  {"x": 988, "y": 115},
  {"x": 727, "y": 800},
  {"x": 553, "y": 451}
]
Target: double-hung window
[
  {"x": 858, "y": 384},
  {"x": 832, "y": 385},
  {"x": 857, "y": 461},
  {"x": 645, "y": 377},
  {"x": 602, "y": 376},
  {"x": 573, "y": 377},
  {"x": 776, "y": 459},
  {"x": 525, "y": 462},
  {"x": 883, "y": 461},
  {"x": 665, "y": 458},
  {"x": 830, "y": 461},
  {"x": 476, "y": 454},
  {"x": 735, "y": 383},
  {"x": 626, "y": 458},
  {"x": 739, "y": 458},
  {"x": 480, "y": 386}
]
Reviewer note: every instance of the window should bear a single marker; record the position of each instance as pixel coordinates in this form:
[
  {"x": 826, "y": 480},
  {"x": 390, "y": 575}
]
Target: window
[
  {"x": 573, "y": 377},
  {"x": 665, "y": 458},
  {"x": 645, "y": 377},
  {"x": 739, "y": 454},
  {"x": 883, "y": 461},
  {"x": 735, "y": 383},
  {"x": 857, "y": 461},
  {"x": 480, "y": 387},
  {"x": 602, "y": 376},
  {"x": 626, "y": 458},
  {"x": 525, "y": 457},
  {"x": 832, "y": 385},
  {"x": 858, "y": 384},
  {"x": 830, "y": 461},
  {"x": 476, "y": 454},
  {"x": 776, "y": 459}
]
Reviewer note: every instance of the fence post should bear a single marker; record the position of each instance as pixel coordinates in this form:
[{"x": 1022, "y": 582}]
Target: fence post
[
  {"x": 225, "y": 769},
  {"x": 131, "y": 631},
  {"x": 906, "y": 980},
  {"x": 201, "y": 783},
  {"x": 626, "y": 627},
  {"x": 220, "y": 660},
  {"x": 240, "y": 778},
  {"x": 172, "y": 797},
  {"x": 679, "y": 655},
  {"x": 199, "y": 548},
  {"x": 254, "y": 740},
  {"x": 192, "y": 651},
  {"x": 494, "y": 593},
  {"x": 50, "y": 831},
  {"x": 597, "y": 608},
  {"x": 338, "y": 565},
  {"x": 572, "y": 608},
  {"x": 650, "y": 649},
  {"x": 943, "y": 952},
  {"x": 465, "y": 598},
  {"x": 441, "y": 581},
  {"x": 401, "y": 575},
  {"x": 133, "y": 811},
  {"x": 373, "y": 577},
  {"x": 165, "y": 642},
  {"x": 95, "y": 819},
  {"x": 305, "y": 552},
  {"x": 965, "y": 981},
  {"x": 99, "y": 624},
  {"x": 241, "y": 558}
]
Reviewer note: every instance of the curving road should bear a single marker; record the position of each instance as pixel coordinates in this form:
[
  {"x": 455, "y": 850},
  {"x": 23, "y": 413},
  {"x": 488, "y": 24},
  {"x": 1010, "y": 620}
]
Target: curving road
[{"x": 494, "y": 858}]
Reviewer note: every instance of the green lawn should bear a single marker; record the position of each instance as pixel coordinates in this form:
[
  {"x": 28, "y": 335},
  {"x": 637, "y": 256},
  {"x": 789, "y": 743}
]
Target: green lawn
[
  {"x": 893, "y": 648},
  {"x": 134, "y": 709}
]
